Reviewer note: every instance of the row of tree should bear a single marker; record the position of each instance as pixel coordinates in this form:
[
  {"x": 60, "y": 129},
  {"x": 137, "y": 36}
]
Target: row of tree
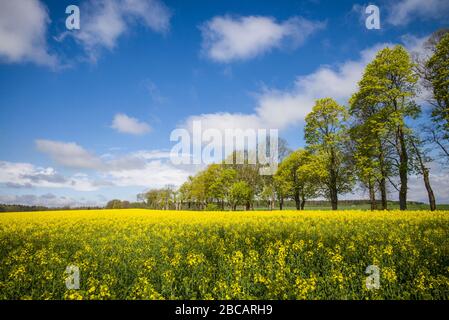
[{"x": 371, "y": 143}]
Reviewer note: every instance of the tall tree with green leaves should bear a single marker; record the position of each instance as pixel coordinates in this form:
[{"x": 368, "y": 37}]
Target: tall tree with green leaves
[
  {"x": 326, "y": 134},
  {"x": 432, "y": 66},
  {"x": 297, "y": 184},
  {"x": 366, "y": 163},
  {"x": 389, "y": 87},
  {"x": 241, "y": 193},
  {"x": 437, "y": 74},
  {"x": 220, "y": 186},
  {"x": 282, "y": 187},
  {"x": 312, "y": 175},
  {"x": 371, "y": 152}
]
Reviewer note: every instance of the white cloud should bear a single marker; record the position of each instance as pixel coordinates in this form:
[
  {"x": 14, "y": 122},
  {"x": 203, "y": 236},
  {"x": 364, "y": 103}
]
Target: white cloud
[
  {"x": 403, "y": 12},
  {"x": 125, "y": 124},
  {"x": 23, "y": 30},
  {"x": 279, "y": 109},
  {"x": 26, "y": 175},
  {"x": 144, "y": 168},
  {"x": 227, "y": 38},
  {"x": 69, "y": 154},
  {"x": 48, "y": 200},
  {"x": 155, "y": 174},
  {"x": 104, "y": 21},
  {"x": 149, "y": 168}
]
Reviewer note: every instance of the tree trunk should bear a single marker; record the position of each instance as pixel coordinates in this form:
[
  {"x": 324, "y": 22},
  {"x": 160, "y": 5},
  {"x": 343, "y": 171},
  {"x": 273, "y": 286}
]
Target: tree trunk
[
  {"x": 372, "y": 196},
  {"x": 297, "y": 200},
  {"x": 247, "y": 206},
  {"x": 281, "y": 203},
  {"x": 333, "y": 183},
  {"x": 425, "y": 174},
  {"x": 333, "y": 191},
  {"x": 303, "y": 201},
  {"x": 429, "y": 190},
  {"x": 383, "y": 179},
  {"x": 334, "y": 199},
  {"x": 383, "y": 193},
  {"x": 403, "y": 169}
]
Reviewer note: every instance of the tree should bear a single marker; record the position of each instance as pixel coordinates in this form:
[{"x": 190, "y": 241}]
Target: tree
[
  {"x": 371, "y": 153},
  {"x": 312, "y": 176},
  {"x": 419, "y": 161},
  {"x": 185, "y": 193},
  {"x": 287, "y": 172},
  {"x": 437, "y": 76},
  {"x": 388, "y": 86},
  {"x": 365, "y": 163},
  {"x": 296, "y": 184},
  {"x": 433, "y": 69},
  {"x": 282, "y": 187},
  {"x": 114, "y": 204},
  {"x": 240, "y": 193},
  {"x": 326, "y": 137},
  {"x": 268, "y": 194},
  {"x": 246, "y": 171},
  {"x": 163, "y": 198},
  {"x": 220, "y": 186}
]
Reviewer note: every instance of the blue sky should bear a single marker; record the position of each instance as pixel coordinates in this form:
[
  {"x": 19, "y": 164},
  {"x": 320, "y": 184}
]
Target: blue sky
[{"x": 86, "y": 115}]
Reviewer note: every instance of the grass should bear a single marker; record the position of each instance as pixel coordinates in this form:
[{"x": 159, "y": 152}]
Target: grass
[{"x": 144, "y": 254}]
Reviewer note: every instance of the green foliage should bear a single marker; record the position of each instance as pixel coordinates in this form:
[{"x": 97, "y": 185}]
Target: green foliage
[
  {"x": 296, "y": 178},
  {"x": 326, "y": 134},
  {"x": 212, "y": 207},
  {"x": 438, "y": 75},
  {"x": 164, "y": 198},
  {"x": 240, "y": 193},
  {"x": 117, "y": 204},
  {"x": 380, "y": 108}
]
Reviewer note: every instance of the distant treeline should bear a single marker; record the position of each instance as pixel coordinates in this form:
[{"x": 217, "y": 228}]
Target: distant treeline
[
  {"x": 119, "y": 204},
  {"x": 24, "y": 208}
]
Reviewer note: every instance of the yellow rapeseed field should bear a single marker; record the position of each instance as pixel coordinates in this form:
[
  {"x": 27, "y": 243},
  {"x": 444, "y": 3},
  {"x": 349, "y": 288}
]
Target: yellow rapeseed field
[{"x": 143, "y": 254}]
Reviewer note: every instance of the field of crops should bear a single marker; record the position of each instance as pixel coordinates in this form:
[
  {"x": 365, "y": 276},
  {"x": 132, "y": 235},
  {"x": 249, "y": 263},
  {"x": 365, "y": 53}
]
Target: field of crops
[{"x": 141, "y": 254}]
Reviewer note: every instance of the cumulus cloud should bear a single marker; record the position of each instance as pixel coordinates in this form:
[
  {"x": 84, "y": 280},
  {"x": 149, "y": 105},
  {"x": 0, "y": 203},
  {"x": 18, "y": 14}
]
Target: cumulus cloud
[
  {"x": 69, "y": 154},
  {"x": 155, "y": 173},
  {"x": 23, "y": 31},
  {"x": 144, "y": 168},
  {"x": 149, "y": 168},
  {"x": 228, "y": 38},
  {"x": 48, "y": 200},
  {"x": 26, "y": 175},
  {"x": 105, "y": 21},
  {"x": 125, "y": 124},
  {"x": 72, "y": 155},
  {"x": 403, "y": 12},
  {"x": 279, "y": 109}
]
